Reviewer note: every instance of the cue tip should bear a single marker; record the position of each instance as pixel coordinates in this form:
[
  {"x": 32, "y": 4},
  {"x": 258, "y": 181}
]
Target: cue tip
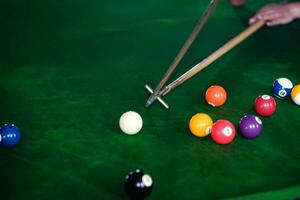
[
  {"x": 153, "y": 98},
  {"x": 148, "y": 103}
]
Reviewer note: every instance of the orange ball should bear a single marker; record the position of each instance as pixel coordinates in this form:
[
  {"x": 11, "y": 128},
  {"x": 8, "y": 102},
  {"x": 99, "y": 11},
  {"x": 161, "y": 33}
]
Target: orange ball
[
  {"x": 215, "y": 95},
  {"x": 200, "y": 125}
]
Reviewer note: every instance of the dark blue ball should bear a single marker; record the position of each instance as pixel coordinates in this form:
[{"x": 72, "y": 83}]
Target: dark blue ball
[
  {"x": 10, "y": 135},
  {"x": 282, "y": 87}
]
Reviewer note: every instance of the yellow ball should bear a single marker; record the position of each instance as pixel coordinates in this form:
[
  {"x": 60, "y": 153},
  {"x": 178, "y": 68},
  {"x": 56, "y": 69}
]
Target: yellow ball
[
  {"x": 295, "y": 94},
  {"x": 200, "y": 125}
]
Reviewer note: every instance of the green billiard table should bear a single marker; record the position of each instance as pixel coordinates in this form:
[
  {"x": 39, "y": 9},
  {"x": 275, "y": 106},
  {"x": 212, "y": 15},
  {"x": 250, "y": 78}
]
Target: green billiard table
[{"x": 69, "y": 69}]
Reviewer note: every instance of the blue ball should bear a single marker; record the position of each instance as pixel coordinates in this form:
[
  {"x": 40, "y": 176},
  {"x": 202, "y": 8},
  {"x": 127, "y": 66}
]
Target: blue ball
[
  {"x": 10, "y": 135},
  {"x": 282, "y": 87}
]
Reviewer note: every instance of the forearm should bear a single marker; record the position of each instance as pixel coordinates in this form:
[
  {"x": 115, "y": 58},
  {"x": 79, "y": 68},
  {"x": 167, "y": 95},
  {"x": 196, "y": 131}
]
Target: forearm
[{"x": 295, "y": 9}]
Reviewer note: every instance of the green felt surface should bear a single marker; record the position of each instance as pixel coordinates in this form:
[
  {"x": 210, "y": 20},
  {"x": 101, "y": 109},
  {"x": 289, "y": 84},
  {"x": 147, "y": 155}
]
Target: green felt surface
[{"x": 69, "y": 69}]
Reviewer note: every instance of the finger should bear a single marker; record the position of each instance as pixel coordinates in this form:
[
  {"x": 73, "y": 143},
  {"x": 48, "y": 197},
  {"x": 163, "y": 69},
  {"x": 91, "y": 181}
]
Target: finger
[
  {"x": 257, "y": 16},
  {"x": 269, "y": 16},
  {"x": 268, "y": 11},
  {"x": 275, "y": 22},
  {"x": 265, "y": 11},
  {"x": 253, "y": 20}
]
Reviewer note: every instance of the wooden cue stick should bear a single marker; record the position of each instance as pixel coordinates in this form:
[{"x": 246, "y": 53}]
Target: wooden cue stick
[
  {"x": 214, "y": 56},
  {"x": 211, "y": 7}
]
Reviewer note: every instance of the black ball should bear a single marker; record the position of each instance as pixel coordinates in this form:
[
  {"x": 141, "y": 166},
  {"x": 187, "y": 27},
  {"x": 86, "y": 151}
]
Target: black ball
[{"x": 138, "y": 185}]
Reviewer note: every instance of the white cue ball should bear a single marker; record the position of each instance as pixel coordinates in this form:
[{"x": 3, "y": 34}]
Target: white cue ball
[{"x": 131, "y": 123}]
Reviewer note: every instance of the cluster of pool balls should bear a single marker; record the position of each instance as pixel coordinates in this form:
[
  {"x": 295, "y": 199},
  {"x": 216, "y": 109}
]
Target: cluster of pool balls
[
  {"x": 250, "y": 126},
  {"x": 223, "y": 131},
  {"x": 138, "y": 185}
]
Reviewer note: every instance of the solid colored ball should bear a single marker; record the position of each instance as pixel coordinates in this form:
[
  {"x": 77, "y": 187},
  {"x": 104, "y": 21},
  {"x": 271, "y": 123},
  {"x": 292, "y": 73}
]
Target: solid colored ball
[
  {"x": 295, "y": 94},
  {"x": 215, "y": 95},
  {"x": 131, "y": 122},
  {"x": 282, "y": 87},
  {"x": 223, "y": 132},
  {"x": 138, "y": 185},
  {"x": 265, "y": 105},
  {"x": 250, "y": 126},
  {"x": 200, "y": 124},
  {"x": 10, "y": 135}
]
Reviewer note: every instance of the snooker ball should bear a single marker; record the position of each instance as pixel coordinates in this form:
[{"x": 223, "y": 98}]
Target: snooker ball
[
  {"x": 223, "y": 132},
  {"x": 131, "y": 123},
  {"x": 250, "y": 126},
  {"x": 138, "y": 185},
  {"x": 265, "y": 105},
  {"x": 200, "y": 124},
  {"x": 215, "y": 95},
  {"x": 282, "y": 87},
  {"x": 295, "y": 94},
  {"x": 10, "y": 135}
]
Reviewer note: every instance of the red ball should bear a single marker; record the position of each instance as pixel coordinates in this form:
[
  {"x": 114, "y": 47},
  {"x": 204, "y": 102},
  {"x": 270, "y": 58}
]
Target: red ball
[
  {"x": 223, "y": 132},
  {"x": 265, "y": 105}
]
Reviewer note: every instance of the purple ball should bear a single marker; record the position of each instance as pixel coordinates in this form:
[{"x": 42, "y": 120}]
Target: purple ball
[{"x": 250, "y": 126}]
